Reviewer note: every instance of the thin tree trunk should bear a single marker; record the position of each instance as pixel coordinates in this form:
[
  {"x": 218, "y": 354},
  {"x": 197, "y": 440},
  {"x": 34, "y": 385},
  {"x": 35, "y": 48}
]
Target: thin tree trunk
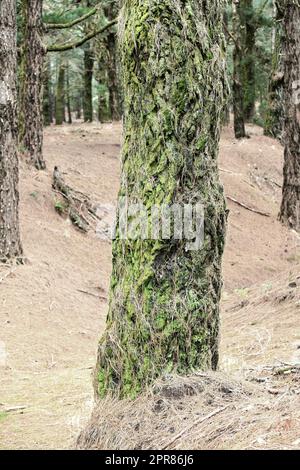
[
  {"x": 78, "y": 107},
  {"x": 164, "y": 310},
  {"x": 112, "y": 66},
  {"x": 274, "y": 118},
  {"x": 47, "y": 98},
  {"x": 60, "y": 94},
  {"x": 237, "y": 86},
  {"x": 10, "y": 244},
  {"x": 290, "y": 206},
  {"x": 68, "y": 95},
  {"x": 113, "y": 85},
  {"x": 249, "y": 28},
  {"x": 31, "y": 92},
  {"x": 102, "y": 107},
  {"x": 88, "y": 85}
]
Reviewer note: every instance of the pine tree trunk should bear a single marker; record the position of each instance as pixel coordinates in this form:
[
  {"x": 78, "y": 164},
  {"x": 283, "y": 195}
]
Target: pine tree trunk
[
  {"x": 10, "y": 244},
  {"x": 102, "y": 108},
  {"x": 47, "y": 95},
  {"x": 274, "y": 118},
  {"x": 290, "y": 206},
  {"x": 78, "y": 102},
  {"x": 164, "y": 308},
  {"x": 88, "y": 85},
  {"x": 249, "y": 29},
  {"x": 60, "y": 94},
  {"x": 237, "y": 86},
  {"x": 68, "y": 95},
  {"x": 113, "y": 85},
  {"x": 31, "y": 88}
]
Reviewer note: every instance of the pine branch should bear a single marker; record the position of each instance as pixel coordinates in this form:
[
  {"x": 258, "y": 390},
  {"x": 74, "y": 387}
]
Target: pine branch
[
  {"x": 80, "y": 42},
  {"x": 71, "y": 23}
]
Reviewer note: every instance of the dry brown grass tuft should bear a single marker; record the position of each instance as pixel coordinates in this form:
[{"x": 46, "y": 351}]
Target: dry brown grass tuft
[{"x": 203, "y": 411}]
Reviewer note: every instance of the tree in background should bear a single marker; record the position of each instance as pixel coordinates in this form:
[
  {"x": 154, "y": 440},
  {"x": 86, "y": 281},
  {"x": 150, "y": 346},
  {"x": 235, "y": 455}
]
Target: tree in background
[
  {"x": 10, "y": 244},
  {"x": 47, "y": 93},
  {"x": 290, "y": 206},
  {"x": 88, "y": 76},
  {"x": 248, "y": 63},
  {"x": 60, "y": 92},
  {"x": 31, "y": 76},
  {"x": 274, "y": 117},
  {"x": 88, "y": 83},
  {"x": 113, "y": 83},
  {"x": 164, "y": 309},
  {"x": 237, "y": 79}
]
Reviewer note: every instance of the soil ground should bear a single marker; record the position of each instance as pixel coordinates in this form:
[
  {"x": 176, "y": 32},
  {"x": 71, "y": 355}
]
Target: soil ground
[{"x": 53, "y": 308}]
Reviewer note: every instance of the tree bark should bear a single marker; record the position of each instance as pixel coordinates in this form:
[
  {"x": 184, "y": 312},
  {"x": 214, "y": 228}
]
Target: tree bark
[
  {"x": 113, "y": 85},
  {"x": 249, "y": 32},
  {"x": 164, "y": 309},
  {"x": 112, "y": 66},
  {"x": 60, "y": 94},
  {"x": 274, "y": 118},
  {"x": 237, "y": 86},
  {"x": 31, "y": 93},
  {"x": 68, "y": 95},
  {"x": 10, "y": 244},
  {"x": 88, "y": 85},
  {"x": 47, "y": 95},
  {"x": 290, "y": 206}
]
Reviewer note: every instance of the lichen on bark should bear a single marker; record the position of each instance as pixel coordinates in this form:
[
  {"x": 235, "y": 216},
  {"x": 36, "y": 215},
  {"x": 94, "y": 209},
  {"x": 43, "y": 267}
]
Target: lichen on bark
[
  {"x": 290, "y": 205},
  {"x": 164, "y": 301},
  {"x": 31, "y": 82},
  {"x": 10, "y": 244}
]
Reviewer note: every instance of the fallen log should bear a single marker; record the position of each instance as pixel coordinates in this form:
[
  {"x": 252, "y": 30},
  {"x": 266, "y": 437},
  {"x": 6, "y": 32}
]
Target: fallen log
[{"x": 75, "y": 204}]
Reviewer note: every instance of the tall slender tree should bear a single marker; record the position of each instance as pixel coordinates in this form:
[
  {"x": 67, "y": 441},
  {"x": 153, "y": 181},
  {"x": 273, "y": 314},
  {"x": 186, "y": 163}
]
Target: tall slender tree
[
  {"x": 88, "y": 62},
  {"x": 248, "y": 61},
  {"x": 112, "y": 65},
  {"x": 274, "y": 118},
  {"x": 47, "y": 94},
  {"x": 32, "y": 67},
  {"x": 88, "y": 83},
  {"x": 60, "y": 92},
  {"x": 290, "y": 206},
  {"x": 164, "y": 309},
  {"x": 10, "y": 244},
  {"x": 237, "y": 85}
]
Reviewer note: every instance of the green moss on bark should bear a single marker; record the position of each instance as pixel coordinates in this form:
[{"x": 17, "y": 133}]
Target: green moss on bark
[{"x": 164, "y": 300}]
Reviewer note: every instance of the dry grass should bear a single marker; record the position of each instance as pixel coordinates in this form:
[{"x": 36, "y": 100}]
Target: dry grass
[{"x": 203, "y": 411}]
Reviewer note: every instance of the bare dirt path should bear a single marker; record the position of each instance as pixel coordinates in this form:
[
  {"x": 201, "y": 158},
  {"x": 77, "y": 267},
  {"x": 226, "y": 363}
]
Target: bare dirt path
[{"x": 49, "y": 328}]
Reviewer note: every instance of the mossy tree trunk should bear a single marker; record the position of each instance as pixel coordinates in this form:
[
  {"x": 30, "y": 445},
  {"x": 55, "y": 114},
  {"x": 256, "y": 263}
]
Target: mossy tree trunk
[
  {"x": 31, "y": 87},
  {"x": 290, "y": 206},
  {"x": 274, "y": 118},
  {"x": 237, "y": 85},
  {"x": 60, "y": 93},
  {"x": 10, "y": 244},
  {"x": 164, "y": 300},
  {"x": 88, "y": 84}
]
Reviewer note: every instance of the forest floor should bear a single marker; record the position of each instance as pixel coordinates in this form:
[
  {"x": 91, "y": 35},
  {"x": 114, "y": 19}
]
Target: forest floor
[{"x": 52, "y": 308}]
